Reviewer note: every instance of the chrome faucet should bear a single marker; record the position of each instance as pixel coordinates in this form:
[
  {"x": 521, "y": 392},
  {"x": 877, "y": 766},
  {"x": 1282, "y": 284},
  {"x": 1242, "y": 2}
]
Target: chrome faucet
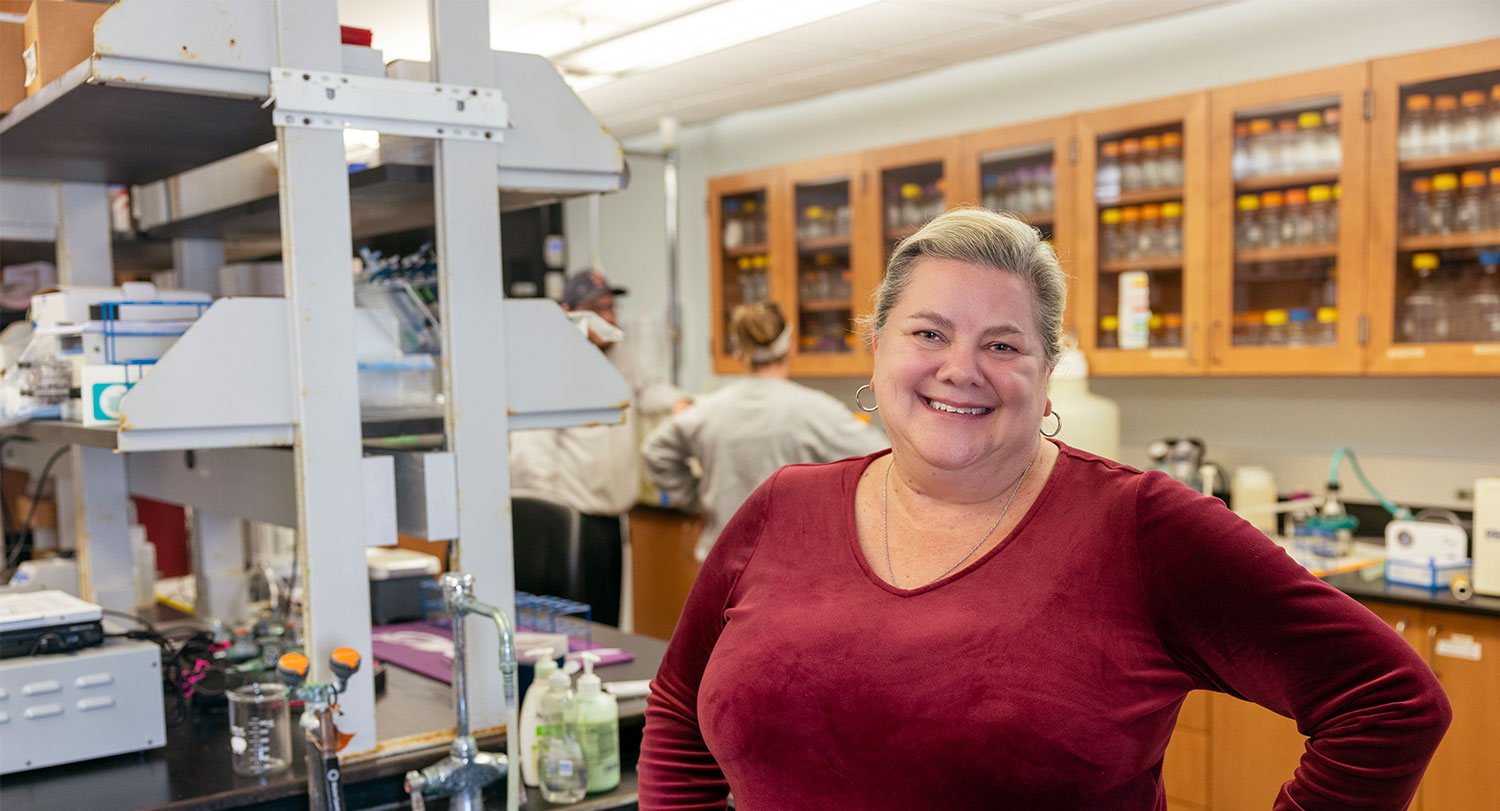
[{"x": 463, "y": 774}]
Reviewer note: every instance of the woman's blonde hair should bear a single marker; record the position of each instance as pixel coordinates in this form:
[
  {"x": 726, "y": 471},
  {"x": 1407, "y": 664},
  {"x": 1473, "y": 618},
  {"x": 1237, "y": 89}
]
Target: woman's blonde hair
[
  {"x": 981, "y": 237},
  {"x": 757, "y": 326}
]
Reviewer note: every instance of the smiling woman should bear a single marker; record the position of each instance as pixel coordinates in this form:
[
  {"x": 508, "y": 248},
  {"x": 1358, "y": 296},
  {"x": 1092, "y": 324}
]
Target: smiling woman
[{"x": 1074, "y": 601}]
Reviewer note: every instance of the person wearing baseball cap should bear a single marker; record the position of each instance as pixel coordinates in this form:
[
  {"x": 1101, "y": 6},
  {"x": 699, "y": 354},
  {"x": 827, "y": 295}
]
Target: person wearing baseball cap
[{"x": 595, "y": 469}]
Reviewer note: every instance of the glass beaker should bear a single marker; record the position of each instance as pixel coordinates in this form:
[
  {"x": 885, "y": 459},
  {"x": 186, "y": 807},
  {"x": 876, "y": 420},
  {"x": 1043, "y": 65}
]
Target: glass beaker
[{"x": 259, "y": 729}]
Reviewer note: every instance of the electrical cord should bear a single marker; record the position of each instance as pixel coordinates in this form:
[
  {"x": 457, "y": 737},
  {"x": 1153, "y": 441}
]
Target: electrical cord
[
  {"x": 12, "y": 557},
  {"x": 1400, "y": 513}
]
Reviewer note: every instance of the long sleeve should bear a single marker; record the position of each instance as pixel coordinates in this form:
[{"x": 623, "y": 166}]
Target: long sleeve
[
  {"x": 1239, "y": 615},
  {"x": 666, "y": 451},
  {"x": 834, "y": 433},
  {"x": 677, "y": 770}
]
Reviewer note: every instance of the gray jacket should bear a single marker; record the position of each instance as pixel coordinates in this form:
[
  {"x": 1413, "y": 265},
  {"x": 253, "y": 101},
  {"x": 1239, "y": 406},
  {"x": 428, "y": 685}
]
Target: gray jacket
[{"x": 740, "y": 435}]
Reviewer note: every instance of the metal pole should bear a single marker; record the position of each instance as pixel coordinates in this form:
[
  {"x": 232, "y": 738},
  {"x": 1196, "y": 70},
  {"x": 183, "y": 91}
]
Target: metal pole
[{"x": 674, "y": 293}]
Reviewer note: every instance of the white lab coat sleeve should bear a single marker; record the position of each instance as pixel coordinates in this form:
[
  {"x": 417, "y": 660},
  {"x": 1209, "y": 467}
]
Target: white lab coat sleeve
[
  {"x": 665, "y": 451},
  {"x": 534, "y": 457}
]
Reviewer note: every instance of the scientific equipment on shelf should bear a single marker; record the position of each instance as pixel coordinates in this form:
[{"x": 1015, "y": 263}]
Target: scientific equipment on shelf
[
  {"x": 1487, "y": 536},
  {"x": 1426, "y": 309},
  {"x": 463, "y": 774},
  {"x": 325, "y": 790},
  {"x": 562, "y": 766},
  {"x": 1327, "y": 531},
  {"x": 1447, "y": 124},
  {"x": 1302, "y": 141}
]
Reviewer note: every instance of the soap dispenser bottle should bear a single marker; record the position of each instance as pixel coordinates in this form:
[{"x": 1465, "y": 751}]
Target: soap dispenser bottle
[
  {"x": 599, "y": 728},
  {"x": 562, "y": 770},
  {"x": 543, "y": 666}
]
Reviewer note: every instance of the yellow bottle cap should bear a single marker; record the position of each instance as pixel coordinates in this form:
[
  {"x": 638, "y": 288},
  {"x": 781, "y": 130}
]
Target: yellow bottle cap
[
  {"x": 1171, "y": 210},
  {"x": 1248, "y": 202},
  {"x": 1319, "y": 193},
  {"x": 1109, "y": 323},
  {"x": 1310, "y": 120},
  {"x": 1446, "y": 181},
  {"x": 1328, "y": 315},
  {"x": 1419, "y": 101},
  {"x": 911, "y": 190},
  {"x": 1424, "y": 261},
  {"x": 749, "y": 206},
  {"x": 1110, "y": 216},
  {"x": 1154, "y": 322},
  {"x": 1275, "y": 318}
]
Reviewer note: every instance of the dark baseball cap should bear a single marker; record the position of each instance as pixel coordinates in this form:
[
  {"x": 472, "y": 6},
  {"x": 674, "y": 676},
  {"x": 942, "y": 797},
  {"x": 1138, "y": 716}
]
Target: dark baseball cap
[{"x": 585, "y": 285}]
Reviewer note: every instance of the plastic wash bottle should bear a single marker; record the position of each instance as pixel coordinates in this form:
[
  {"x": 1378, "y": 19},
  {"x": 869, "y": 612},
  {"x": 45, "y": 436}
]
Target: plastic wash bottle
[{"x": 562, "y": 771}]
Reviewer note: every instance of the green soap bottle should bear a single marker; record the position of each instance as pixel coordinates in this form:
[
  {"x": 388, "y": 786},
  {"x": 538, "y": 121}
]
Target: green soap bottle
[{"x": 598, "y": 728}]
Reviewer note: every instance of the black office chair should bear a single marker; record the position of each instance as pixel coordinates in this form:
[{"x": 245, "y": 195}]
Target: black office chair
[{"x": 562, "y": 553}]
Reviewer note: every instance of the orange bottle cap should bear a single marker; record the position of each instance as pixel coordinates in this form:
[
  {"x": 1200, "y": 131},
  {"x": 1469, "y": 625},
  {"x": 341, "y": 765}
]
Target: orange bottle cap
[
  {"x": 1286, "y": 125},
  {"x": 1171, "y": 139},
  {"x": 348, "y": 657},
  {"x": 1172, "y": 319},
  {"x": 1130, "y": 146},
  {"x": 1271, "y": 199},
  {"x": 1109, "y": 149},
  {"x": 1421, "y": 185},
  {"x": 294, "y": 663},
  {"x": 1473, "y": 178},
  {"x": 1151, "y": 211},
  {"x": 1260, "y": 126},
  {"x": 1241, "y": 129},
  {"x": 1331, "y": 116},
  {"x": 1471, "y": 98},
  {"x": 1495, "y": 175},
  {"x": 1445, "y": 102},
  {"x": 1130, "y": 213},
  {"x": 1296, "y": 197},
  {"x": 1151, "y": 142},
  {"x": 1419, "y": 101}
]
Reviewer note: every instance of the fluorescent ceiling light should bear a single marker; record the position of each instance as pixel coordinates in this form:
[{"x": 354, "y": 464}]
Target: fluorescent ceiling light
[{"x": 719, "y": 26}]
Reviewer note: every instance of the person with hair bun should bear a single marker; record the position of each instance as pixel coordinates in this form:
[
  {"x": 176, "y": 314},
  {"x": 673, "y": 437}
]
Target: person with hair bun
[
  {"x": 985, "y": 618},
  {"x": 745, "y": 431}
]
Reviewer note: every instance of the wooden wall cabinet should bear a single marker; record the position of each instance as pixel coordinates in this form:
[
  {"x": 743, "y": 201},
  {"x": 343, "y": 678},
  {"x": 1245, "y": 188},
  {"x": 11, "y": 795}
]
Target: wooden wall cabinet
[
  {"x": 1028, "y": 170},
  {"x": 1155, "y": 188},
  {"x": 1161, "y": 233},
  {"x": 1398, "y": 341},
  {"x": 743, "y": 212},
  {"x": 829, "y": 256},
  {"x": 1288, "y": 204}
]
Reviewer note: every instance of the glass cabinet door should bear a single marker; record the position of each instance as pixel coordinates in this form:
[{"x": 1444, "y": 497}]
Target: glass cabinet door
[
  {"x": 1435, "y": 250},
  {"x": 1141, "y": 244},
  {"x": 740, "y": 229},
  {"x": 823, "y": 254},
  {"x": 909, "y": 186},
  {"x": 1025, "y": 170},
  {"x": 1286, "y": 235}
]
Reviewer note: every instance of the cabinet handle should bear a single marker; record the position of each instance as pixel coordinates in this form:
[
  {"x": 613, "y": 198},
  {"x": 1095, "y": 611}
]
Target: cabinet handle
[{"x": 1189, "y": 331}]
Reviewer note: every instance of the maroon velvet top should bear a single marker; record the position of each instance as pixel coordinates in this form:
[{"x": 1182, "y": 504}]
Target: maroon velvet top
[{"x": 1046, "y": 674}]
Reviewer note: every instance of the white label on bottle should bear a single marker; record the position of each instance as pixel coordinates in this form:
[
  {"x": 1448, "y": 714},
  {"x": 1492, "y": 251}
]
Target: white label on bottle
[
  {"x": 1459, "y": 646},
  {"x": 565, "y": 768},
  {"x": 1404, "y": 352},
  {"x": 1487, "y": 350}
]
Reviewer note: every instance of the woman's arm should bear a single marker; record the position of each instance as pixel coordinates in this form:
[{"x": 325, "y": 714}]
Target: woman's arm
[
  {"x": 1240, "y": 616},
  {"x": 665, "y": 451},
  {"x": 677, "y": 771}
]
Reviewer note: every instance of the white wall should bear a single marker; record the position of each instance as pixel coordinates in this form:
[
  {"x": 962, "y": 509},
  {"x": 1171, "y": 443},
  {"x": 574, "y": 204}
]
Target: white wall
[{"x": 1451, "y": 428}]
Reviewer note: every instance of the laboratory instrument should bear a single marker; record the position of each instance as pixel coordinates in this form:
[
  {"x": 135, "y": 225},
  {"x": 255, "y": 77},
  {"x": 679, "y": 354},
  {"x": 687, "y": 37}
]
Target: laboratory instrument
[
  {"x": 325, "y": 790},
  {"x": 260, "y": 737}
]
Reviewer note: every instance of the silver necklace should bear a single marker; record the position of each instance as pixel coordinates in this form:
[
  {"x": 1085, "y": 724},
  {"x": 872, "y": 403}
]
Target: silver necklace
[{"x": 885, "y": 524}]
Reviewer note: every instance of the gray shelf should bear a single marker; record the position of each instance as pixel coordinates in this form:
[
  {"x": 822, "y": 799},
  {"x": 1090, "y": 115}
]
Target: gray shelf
[
  {"x": 377, "y": 423},
  {"x": 79, "y": 129}
]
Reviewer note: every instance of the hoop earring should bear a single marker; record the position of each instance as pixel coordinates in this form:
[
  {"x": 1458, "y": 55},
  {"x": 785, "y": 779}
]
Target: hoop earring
[
  {"x": 1055, "y": 431},
  {"x": 862, "y": 390}
]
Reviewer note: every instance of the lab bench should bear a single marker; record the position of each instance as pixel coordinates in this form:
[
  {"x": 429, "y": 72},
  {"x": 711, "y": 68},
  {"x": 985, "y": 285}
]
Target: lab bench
[{"x": 192, "y": 771}]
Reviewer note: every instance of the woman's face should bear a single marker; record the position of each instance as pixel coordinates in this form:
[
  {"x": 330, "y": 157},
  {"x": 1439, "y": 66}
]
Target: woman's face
[{"x": 960, "y": 368}]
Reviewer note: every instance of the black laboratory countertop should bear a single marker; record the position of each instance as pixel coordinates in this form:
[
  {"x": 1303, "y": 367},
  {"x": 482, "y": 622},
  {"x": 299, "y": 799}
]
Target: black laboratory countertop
[
  {"x": 192, "y": 771},
  {"x": 1357, "y": 586}
]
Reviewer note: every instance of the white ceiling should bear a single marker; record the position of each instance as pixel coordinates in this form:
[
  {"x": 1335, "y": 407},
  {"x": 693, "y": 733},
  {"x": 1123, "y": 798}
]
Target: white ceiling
[{"x": 885, "y": 40}]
